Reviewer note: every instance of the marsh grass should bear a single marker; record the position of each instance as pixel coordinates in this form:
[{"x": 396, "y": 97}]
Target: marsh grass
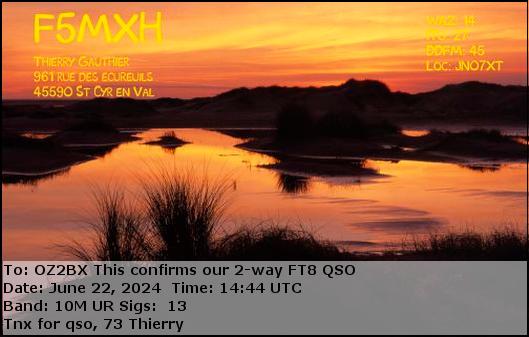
[
  {"x": 500, "y": 244},
  {"x": 275, "y": 242},
  {"x": 179, "y": 216},
  {"x": 184, "y": 211},
  {"x": 169, "y": 135},
  {"x": 118, "y": 231}
]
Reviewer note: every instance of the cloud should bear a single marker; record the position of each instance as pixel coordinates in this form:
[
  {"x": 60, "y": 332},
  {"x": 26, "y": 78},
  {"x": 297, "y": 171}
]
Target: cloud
[{"x": 209, "y": 48}]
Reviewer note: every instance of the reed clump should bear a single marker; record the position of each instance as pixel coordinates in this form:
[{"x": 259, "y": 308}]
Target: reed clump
[{"x": 178, "y": 216}]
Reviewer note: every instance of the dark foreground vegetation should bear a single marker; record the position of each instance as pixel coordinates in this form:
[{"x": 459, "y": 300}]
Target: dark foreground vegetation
[
  {"x": 179, "y": 217},
  {"x": 500, "y": 244}
]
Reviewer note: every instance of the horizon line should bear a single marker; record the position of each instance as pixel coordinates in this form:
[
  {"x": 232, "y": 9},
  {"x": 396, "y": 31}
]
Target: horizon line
[{"x": 264, "y": 86}]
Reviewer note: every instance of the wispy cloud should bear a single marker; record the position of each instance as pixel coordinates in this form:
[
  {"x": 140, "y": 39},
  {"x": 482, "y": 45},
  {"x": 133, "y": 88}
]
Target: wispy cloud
[{"x": 210, "y": 47}]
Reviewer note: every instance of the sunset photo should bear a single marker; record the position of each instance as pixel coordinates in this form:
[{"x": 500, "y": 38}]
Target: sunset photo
[{"x": 264, "y": 131}]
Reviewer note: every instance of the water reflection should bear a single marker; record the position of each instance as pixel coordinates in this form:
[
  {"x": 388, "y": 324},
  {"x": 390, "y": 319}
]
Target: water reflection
[
  {"x": 292, "y": 184},
  {"x": 482, "y": 167},
  {"x": 31, "y": 180},
  {"x": 97, "y": 151},
  {"x": 322, "y": 167},
  {"x": 394, "y": 200},
  {"x": 399, "y": 225},
  {"x": 415, "y": 133},
  {"x": 37, "y": 135}
]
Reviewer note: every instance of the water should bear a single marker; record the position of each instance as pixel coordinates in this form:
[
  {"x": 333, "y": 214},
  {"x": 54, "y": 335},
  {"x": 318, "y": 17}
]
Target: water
[{"x": 357, "y": 212}]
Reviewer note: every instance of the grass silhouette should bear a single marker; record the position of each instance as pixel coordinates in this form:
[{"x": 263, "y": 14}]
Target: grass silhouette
[
  {"x": 179, "y": 216},
  {"x": 183, "y": 210},
  {"x": 499, "y": 244},
  {"x": 119, "y": 232}
]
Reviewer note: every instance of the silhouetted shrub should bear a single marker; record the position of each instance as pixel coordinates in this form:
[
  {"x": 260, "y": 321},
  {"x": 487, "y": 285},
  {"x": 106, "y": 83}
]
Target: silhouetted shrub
[
  {"x": 346, "y": 124},
  {"x": 294, "y": 121},
  {"x": 342, "y": 124}
]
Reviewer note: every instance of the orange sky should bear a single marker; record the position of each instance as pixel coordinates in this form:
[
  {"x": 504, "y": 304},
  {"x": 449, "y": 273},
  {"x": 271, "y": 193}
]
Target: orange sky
[{"x": 209, "y": 48}]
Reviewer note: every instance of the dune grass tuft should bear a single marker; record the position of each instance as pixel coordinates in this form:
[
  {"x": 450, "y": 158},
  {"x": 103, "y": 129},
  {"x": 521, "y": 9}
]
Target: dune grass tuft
[
  {"x": 499, "y": 244},
  {"x": 184, "y": 211},
  {"x": 274, "y": 242},
  {"x": 179, "y": 216},
  {"x": 119, "y": 232}
]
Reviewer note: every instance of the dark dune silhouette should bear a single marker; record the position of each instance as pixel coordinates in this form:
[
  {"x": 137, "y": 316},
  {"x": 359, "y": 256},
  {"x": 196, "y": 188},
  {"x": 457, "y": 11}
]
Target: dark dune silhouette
[
  {"x": 465, "y": 102},
  {"x": 460, "y": 102},
  {"x": 91, "y": 132},
  {"x": 126, "y": 107}
]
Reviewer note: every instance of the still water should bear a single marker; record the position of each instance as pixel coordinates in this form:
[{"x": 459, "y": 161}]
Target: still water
[{"x": 409, "y": 198}]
